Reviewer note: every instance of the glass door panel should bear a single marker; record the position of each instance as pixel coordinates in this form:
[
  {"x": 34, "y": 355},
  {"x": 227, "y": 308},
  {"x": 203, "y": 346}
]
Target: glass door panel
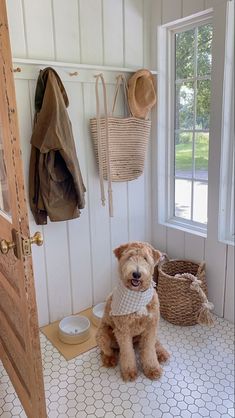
[{"x": 4, "y": 189}]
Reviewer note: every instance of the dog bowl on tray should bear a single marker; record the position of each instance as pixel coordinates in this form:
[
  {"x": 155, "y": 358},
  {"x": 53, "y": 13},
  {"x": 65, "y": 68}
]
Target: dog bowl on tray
[
  {"x": 74, "y": 329},
  {"x": 97, "y": 313}
]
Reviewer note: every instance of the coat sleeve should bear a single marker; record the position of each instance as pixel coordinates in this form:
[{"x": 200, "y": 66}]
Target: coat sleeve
[{"x": 35, "y": 199}]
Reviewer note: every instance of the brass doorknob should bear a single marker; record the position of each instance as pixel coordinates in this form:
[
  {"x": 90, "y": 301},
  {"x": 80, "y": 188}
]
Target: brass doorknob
[
  {"x": 23, "y": 244},
  {"x": 37, "y": 239},
  {"x": 5, "y": 246}
]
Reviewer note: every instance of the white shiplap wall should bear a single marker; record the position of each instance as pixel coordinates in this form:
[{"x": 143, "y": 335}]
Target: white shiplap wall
[
  {"x": 178, "y": 244},
  {"x": 76, "y": 268}
]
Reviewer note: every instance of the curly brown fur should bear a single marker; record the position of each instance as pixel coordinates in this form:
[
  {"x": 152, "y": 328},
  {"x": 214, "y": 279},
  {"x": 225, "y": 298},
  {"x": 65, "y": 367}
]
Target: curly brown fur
[{"x": 142, "y": 326}]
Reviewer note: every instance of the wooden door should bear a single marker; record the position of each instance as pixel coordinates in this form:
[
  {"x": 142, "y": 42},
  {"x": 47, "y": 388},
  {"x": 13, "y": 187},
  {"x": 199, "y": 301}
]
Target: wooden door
[{"x": 19, "y": 331}]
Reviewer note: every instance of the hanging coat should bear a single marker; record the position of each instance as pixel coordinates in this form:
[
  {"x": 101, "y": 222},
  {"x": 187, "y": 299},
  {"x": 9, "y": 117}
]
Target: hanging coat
[{"x": 56, "y": 187}]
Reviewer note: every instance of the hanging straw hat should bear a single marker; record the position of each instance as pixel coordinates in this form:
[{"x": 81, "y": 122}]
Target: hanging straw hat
[{"x": 141, "y": 93}]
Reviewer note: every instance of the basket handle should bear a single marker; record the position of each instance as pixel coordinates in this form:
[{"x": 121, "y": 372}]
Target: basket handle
[
  {"x": 201, "y": 268},
  {"x": 101, "y": 171},
  {"x": 121, "y": 79},
  {"x": 164, "y": 257},
  {"x": 204, "y": 315}
]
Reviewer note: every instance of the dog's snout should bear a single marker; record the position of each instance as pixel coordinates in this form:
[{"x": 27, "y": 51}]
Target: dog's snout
[{"x": 136, "y": 275}]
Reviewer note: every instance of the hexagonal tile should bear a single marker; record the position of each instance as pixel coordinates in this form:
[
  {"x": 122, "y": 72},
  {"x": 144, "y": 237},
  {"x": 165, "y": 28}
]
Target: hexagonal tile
[{"x": 198, "y": 381}]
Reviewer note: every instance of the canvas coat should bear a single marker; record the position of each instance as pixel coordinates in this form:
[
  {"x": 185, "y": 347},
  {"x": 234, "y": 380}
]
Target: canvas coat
[{"x": 56, "y": 187}]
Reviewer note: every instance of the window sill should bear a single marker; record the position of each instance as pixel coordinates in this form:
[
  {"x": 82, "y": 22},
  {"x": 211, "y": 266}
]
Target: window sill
[
  {"x": 186, "y": 227},
  {"x": 227, "y": 242}
]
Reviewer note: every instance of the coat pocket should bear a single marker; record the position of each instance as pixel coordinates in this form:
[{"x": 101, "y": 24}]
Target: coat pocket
[{"x": 62, "y": 191}]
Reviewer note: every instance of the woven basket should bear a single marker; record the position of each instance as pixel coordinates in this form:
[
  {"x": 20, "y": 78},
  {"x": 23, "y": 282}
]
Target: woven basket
[
  {"x": 128, "y": 140},
  {"x": 180, "y": 302},
  {"x": 120, "y": 143}
]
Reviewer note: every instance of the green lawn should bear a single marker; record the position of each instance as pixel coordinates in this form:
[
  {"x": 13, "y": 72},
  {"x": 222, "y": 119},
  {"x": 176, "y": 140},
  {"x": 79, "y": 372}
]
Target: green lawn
[{"x": 184, "y": 154}]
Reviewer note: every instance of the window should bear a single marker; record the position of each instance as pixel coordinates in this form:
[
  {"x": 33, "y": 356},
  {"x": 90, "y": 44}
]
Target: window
[
  {"x": 192, "y": 121},
  {"x": 187, "y": 91}
]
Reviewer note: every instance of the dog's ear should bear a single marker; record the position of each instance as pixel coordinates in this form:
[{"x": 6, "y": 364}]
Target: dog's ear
[
  {"x": 156, "y": 255},
  {"x": 119, "y": 250}
]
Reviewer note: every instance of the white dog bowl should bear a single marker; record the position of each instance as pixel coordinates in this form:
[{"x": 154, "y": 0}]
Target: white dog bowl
[
  {"x": 97, "y": 313},
  {"x": 74, "y": 329}
]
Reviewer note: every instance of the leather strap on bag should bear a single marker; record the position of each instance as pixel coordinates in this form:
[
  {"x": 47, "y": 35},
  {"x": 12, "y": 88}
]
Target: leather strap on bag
[
  {"x": 101, "y": 171},
  {"x": 121, "y": 79}
]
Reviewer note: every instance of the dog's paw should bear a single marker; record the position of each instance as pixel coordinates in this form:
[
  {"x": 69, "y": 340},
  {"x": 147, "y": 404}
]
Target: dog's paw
[
  {"x": 162, "y": 353},
  {"x": 163, "y": 356},
  {"x": 129, "y": 375},
  {"x": 109, "y": 361},
  {"x": 153, "y": 373}
]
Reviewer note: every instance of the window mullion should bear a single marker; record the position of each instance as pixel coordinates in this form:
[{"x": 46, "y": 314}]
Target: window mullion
[
  {"x": 194, "y": 117},
  {"x": 192, "y": 79}
]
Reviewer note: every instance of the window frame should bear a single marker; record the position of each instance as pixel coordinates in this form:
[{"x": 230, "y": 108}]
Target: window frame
[
  {"x": 226, "y": 191},
  {"x": 166, "y": 121}
]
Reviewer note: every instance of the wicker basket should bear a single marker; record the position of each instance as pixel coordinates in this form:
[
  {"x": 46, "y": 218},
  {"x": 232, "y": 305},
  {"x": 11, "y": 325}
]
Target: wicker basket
[
  {"x": 120, "y": 143},
  {"x": 182, "y": 291}
]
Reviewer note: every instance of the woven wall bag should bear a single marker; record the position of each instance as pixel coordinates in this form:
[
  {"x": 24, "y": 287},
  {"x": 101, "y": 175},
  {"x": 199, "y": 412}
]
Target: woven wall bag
[
  {"x": 120, "y": 143},
  {"x": 182, "y": 291}
]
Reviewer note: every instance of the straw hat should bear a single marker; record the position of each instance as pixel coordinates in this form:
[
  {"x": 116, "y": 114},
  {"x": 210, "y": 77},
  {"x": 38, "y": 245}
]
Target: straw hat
[{"x": 141, "y": 93}]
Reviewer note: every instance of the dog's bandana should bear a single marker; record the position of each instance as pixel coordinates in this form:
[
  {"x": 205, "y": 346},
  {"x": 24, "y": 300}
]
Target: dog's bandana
[{"x": 126, "y": 301}]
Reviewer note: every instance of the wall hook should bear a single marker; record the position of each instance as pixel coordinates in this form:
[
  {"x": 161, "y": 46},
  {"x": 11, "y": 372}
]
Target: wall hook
[
  {"x": 74, "y": 73},
  {"x": 17, "y": 70},
  {"x": 98, "y": 75}
]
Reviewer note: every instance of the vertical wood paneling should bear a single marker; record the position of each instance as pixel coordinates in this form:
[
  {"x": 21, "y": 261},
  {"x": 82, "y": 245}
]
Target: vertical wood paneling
[
  {"x": 17, "y": 35},
  {"x": 171, "y": 10},
  {"x": 67, "y": 46},
  {"x": 148, "y": 193},
  {"x": 99, "y": 218},
  {"x": 215, "y": 256},
  {"x": 213, "y": 3},
  {"x": 148, "y": 169},
  {"x": 24, "y": 105},
  {"x": 159, "y": 232},
  {"x": 76, "y": 266},
  {"x": 39, "y": 28},
  {"x": 175, "y": 243},
  {"x": 79, "y": 229},
  {"x": 91, "y": 31},
  {"x": 113, "y": 32},
  {"x": 134, "y": 56},
  {"x": 155, "y": 22},
  {"x": 136, "y": 209},
  {"x": 58, "y": 270},
  {"x": 133, "y": 29},
  {"x": 119, "y": 223},
  {"x": 229, "y": 289},
  {"x": 147, "y": 13},
  {"x": 40, "y": 277},
  {"x": 192, "y": 6},
  {"x": 194, "y": 247}
]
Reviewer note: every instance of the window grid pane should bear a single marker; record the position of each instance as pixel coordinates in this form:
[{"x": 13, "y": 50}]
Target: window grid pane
[{"x": 192, "y": 112}]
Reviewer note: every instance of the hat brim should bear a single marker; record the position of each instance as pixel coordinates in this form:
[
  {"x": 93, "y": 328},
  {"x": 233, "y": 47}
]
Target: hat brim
[{"x": 141, "y": 93}]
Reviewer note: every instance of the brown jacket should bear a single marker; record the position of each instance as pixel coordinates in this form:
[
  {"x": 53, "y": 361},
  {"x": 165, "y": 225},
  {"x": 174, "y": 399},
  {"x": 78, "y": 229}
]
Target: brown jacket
[{"x": 56, "y": 187}]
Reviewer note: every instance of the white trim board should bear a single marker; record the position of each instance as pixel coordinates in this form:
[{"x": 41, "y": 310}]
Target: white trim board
[{"x": 23, "y": 68}]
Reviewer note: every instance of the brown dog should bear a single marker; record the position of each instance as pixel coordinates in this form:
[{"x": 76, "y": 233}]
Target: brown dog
[{"x": 132, "y": 312}]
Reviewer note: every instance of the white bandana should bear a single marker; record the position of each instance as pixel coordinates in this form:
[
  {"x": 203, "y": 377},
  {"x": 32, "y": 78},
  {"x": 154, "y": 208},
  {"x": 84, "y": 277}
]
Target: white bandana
[{"x": 126, "y": 301}]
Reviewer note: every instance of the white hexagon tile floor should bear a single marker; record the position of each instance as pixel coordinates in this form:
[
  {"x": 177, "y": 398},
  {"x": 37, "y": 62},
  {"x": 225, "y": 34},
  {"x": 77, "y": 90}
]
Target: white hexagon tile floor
[{"x": 198, "y": 381}]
